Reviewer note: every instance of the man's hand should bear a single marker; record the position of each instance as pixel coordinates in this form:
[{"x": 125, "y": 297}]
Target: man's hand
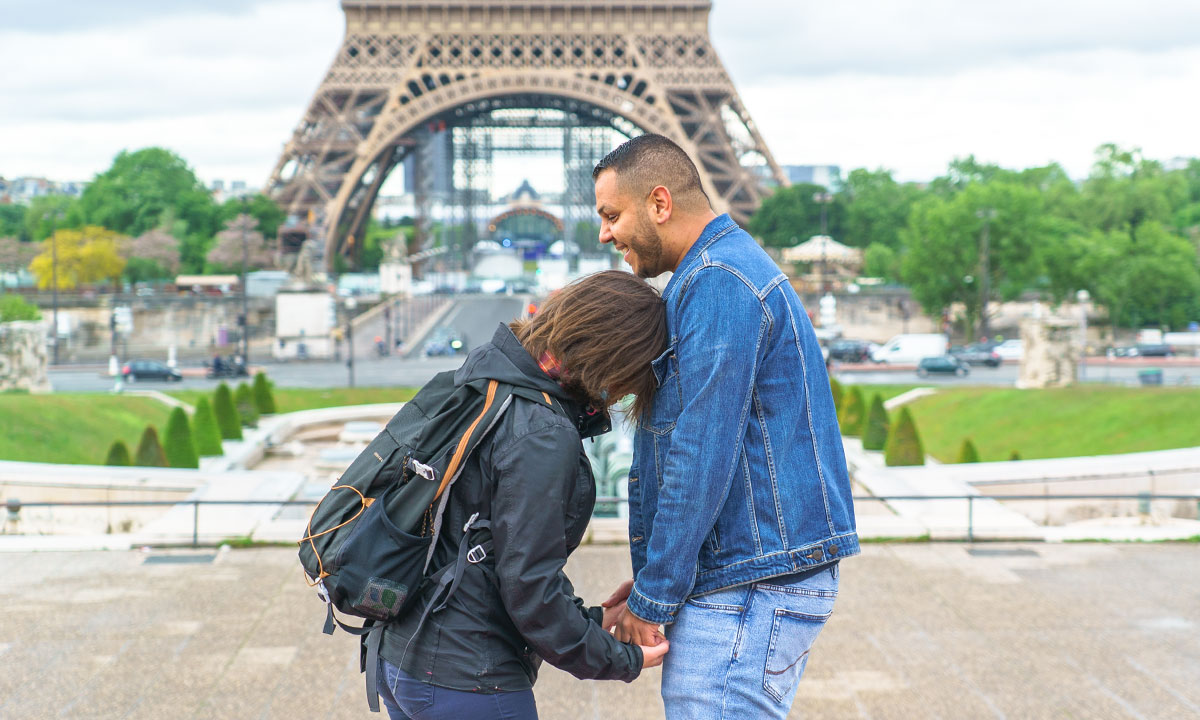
[
  {"x": 653, "y": 656},
  {"x": 632, "y": 629}
]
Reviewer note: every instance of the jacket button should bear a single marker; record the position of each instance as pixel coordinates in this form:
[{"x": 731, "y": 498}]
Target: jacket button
[
  {"x": 833, "y": 549},
  {"x": 816, "y": 554}
]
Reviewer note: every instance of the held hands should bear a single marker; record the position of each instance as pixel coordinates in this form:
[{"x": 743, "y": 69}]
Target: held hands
[{"x": 629, "y": 628}]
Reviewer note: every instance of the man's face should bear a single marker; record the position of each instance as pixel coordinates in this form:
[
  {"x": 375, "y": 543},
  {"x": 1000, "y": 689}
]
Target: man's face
[{"x": 625, "y": 222}]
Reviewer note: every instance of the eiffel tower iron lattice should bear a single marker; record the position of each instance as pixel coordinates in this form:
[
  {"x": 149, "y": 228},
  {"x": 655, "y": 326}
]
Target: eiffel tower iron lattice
[{"x": 408, "y": 68}]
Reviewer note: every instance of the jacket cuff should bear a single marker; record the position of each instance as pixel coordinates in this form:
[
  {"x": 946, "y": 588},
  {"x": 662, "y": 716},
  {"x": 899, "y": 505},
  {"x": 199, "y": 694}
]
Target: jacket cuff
[{"x": 651, "y": 610}]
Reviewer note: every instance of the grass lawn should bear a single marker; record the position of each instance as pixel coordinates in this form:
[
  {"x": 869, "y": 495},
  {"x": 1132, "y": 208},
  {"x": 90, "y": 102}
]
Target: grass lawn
[
  {"x": 293, "y": 399},
  {"x": 1066, "y": 422},
  {"x": 73, "y": 428}
]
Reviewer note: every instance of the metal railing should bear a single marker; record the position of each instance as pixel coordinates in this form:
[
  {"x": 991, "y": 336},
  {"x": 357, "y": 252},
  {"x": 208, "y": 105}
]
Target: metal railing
[{"x": 15, "y": 506}]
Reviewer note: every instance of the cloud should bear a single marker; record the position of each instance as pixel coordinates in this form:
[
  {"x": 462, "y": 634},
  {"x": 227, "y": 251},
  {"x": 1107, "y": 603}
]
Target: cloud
[{"x": 61, "y": 15}]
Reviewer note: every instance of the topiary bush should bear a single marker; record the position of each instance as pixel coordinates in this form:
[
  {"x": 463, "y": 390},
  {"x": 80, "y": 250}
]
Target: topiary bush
[
  {"x": 967, "y": 453},
  {"x": 264, "y": 399},
  {"x": 150, "y": 450},
  {"x": 243, "y": 399},
  {"x": 180, "y": 448},
  {"x": 875, "y": 427},
  {"x": 118, "y": 454},
  {"x": 853, "y": 412},
  {"x": 227, "y": 414},
  {"x": 835, "y": 388},
  {"x": 1014, "y": 456},
  {"x": 204, "y": 429},
  {"x": 904, "y": 443}
]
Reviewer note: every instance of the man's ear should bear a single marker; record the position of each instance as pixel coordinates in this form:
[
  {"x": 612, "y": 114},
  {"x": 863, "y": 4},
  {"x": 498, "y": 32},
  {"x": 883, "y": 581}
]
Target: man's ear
[{"x": 661, "y": 204}]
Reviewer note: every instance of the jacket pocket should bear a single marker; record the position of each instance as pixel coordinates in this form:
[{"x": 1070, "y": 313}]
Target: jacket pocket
[{"x": 668, "y": 398}]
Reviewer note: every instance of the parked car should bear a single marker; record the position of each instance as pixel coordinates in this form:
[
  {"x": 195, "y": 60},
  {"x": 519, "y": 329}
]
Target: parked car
[
  {"x": 136, "y": 370},
  {"x": 1155, "y": 350},
  {"x": 1012, "y": 349},
  {"x": 942, "y": 365},
  {"x": 850, "y": 350},
  {"x": 910, "y": 348},
  {"x": 976, "y": 355},
  {"x": 444, "y": 341}
]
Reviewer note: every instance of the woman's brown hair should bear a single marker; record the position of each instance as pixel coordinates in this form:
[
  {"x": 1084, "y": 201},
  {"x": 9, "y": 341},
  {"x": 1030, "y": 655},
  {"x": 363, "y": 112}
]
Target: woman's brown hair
[{"x": 603, "y": 329}]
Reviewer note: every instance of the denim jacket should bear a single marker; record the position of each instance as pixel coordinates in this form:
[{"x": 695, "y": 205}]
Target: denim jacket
[{"x": 738, "y": 473}]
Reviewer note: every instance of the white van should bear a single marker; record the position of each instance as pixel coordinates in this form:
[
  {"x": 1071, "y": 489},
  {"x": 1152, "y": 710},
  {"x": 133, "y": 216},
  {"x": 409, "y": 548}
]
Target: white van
[{"x": 911, "y": 348}]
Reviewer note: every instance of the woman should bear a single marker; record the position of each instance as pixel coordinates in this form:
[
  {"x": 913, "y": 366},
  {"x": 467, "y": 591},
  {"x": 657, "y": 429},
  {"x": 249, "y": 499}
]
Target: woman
[{"x": 591, "y": 344}]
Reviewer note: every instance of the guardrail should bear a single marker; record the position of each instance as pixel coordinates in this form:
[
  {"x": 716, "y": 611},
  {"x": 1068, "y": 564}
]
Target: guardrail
[{"x": 15, "y": 506}]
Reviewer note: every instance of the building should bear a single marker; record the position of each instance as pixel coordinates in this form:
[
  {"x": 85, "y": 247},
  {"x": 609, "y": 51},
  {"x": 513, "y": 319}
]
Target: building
[{"x": 827, "y": 176}]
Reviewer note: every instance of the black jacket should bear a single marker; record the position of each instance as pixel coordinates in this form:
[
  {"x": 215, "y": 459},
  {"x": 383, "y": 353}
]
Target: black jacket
[{"x": 531, "y": 478}]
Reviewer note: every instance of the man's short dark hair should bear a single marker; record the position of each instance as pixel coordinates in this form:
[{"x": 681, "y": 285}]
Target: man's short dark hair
[{"x": 647, "y": 161}]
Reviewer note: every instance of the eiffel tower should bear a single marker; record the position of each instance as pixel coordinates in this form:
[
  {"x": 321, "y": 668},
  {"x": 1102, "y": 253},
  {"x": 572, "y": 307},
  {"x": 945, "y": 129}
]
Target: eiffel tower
[{"x": 408, "y": 68}]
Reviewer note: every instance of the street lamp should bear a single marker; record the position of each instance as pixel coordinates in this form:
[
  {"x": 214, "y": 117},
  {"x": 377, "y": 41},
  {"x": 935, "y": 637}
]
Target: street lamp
[
  {"x": 351, "y": 303},
  {"x": 245, "y": 220},
  {"x": 1083, "y": 296},
  {"x": 54, "y": 275},
  {"x": 987, "y": 215}
]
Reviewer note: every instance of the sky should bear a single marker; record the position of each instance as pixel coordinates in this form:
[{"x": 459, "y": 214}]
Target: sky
[{"x": 906, "y": 85}]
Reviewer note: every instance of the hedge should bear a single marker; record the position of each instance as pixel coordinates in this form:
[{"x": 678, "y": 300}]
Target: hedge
[
  {"x": 118, "y": 454},
  {"x": 150, "y": 450},
  {"x": 903, "y": 443},
  {"x": 204, "y": 429},
  {"x": 179, "y": 447},
  {"x": 227, "y": 414},
  {"x": 875, "y": 427}
]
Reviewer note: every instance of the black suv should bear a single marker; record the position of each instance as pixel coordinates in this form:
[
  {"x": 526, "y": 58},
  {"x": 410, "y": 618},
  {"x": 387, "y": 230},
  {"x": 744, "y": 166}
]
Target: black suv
[
  {"x": 850, "y": 351},
  {"x": 149, "y": 370}
]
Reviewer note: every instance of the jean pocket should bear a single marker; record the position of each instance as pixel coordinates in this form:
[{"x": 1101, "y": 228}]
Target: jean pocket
[
  {"x": 792, "y": 637},
  {"x": 729, "y": 600},
  {"x": 413, "y": 696}
]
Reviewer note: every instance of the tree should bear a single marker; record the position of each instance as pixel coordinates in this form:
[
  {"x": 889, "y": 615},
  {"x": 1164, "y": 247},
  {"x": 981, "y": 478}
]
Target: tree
[
  {"x": 118, "y": 454},
  {"x": 149, "y": 450},
  {"x": 263, "y": 209},
  {"x": 1151, "y": 277},
  {"x": 853, "y": 411},
  {"x": 12, "y": 222},
  {"x": 903, "y": 445},
  {"x": 877, "y": 208},
  {"x": 204, "y": 429},
  {"x": 226, "y": 254},
  {"x": 243, "y": 398},
  {"x": 875, "y": 426},
  {"x": 1125, "y": 190},
  {"x": 146, "y": 189},
  {"x": 15, "y": 254},
  {"x": 790, "y": 216},
  {"x": 48, "y": 213},
  {"x": 227, "y": 414},
  {"x": 967, "y": 453},
  {"x": 14, "y": 308},
  {"x": 881, "y": 261},
  {"x": 180, "y": 447},
  {"x": 151, "y": 255},
  {"x": 83, "y": 256},
  {"x": 264, "y": 400}
]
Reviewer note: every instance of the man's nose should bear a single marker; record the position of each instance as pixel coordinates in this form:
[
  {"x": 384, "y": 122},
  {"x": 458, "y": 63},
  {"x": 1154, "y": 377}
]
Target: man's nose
[{"x": 605, "y": 234}]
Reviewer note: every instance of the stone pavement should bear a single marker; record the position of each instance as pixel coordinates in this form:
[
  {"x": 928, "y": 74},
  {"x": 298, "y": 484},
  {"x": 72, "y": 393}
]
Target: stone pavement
[{"x": 920, "y": 631}]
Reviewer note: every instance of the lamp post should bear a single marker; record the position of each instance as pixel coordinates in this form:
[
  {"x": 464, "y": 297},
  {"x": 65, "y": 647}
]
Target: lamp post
[
  {"x": 351, "y": 303},
  {"x": 823, "y": 199},
  {"x": 1083, "y": 296},
  {"x": 54, "y": 277},
  {"x": 245, "y": 220},
  {"x": 986, "y": 214}
]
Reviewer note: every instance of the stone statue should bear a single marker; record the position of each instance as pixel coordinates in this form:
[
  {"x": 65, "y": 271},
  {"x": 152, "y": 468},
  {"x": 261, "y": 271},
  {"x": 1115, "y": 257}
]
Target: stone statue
[
  {"x": 395, "y": 247},
  {"x": 303, "y": 272}
]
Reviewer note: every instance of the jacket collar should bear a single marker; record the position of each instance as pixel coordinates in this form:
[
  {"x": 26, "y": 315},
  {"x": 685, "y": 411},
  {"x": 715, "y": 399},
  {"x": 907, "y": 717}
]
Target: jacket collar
[{"x": 717, "y": 228}]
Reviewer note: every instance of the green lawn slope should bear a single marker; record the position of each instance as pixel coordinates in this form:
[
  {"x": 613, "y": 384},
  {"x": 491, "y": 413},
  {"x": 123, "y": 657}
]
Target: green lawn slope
[
  {"x": 294, "y": 399},
  {"x": 73, "y": 428}
]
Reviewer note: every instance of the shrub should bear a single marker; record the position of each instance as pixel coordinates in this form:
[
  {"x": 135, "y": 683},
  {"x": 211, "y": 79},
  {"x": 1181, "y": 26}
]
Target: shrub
[
  {"x": 264, "y": 399},
  {"x": 244, "y": 400},
  {"x": 16, "y": 308},
  {"x": 875, "y": 427},
  {"x": 204, "y": 429},
  {"x": 149, "y": 450},
  {"x": 227, "y": 414},
  {"x": 118, "y": 454},
  {"x": 903, "y": 443},
  {"x": 180, "y": 448},
  {"x": 835, "y": 388},
  {"x": 967, "y": 453},
  {"x": 853, "y": 411},
  {"x": 1014, "y": 456}
]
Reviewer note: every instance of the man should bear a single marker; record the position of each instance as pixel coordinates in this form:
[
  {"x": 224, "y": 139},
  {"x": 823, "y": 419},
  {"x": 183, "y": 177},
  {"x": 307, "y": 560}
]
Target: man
[{"x": 739, "y": 499}]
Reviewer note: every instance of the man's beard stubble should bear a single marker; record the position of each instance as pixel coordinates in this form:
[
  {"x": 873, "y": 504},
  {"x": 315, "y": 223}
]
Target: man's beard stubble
[{"x": 648, "y": 248}]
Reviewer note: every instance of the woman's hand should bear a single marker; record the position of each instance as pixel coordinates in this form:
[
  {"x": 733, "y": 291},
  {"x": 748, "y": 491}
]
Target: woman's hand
[{"x": 652, "y": 656}]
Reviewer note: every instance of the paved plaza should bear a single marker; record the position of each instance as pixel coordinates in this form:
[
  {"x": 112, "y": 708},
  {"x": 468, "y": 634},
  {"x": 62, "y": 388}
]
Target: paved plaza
[{"x": 921, "y": 631}]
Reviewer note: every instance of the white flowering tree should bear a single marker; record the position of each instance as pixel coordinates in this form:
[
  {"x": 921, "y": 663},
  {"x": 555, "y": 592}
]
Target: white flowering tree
[{"x": 226, "y": 253}]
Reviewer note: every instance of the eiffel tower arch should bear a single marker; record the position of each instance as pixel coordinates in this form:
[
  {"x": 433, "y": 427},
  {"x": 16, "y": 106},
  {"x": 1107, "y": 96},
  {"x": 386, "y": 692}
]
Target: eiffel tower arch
[{"x": 408, "y": 68}]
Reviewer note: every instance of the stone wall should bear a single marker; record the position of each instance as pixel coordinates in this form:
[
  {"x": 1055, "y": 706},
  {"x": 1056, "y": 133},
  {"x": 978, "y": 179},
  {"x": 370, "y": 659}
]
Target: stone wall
[{"x": 23, "y": 358}]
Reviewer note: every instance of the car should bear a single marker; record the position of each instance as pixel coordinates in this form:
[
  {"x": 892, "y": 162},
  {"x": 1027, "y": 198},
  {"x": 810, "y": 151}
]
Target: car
[
  {"x": 909, "y": 348},
  {"x": 1012, "y": 349},
  {"x": 444, "y": 341},
  {"x": 942, "y": 365},
  {"x": 856, "y": 351},
  {"x": 976, "y": 355},
  {"x": 136, "y": 370},
  {"x": 1154, "y": 350}
]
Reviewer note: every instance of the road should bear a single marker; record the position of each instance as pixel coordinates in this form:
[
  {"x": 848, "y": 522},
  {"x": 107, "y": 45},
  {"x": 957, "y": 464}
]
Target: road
[
  {"x": 474, "y": 316},
  {"x": 1097, "y": 371}
]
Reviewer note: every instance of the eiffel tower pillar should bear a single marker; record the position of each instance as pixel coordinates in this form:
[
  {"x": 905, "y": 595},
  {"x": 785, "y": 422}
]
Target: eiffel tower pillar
[{"x": 407, "y": 68}]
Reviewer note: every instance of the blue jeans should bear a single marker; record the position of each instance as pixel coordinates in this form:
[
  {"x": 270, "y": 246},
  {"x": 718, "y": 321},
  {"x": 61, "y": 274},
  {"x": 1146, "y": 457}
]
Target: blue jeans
[
  {"x": 740, "y": 652},
  {"x": 409, "y": 699}
]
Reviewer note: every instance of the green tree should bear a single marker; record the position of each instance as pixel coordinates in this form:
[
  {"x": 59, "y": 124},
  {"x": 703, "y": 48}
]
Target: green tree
[
  {"x": 204, "y": 429},
  {"x": 1125, "y": 190},
  {"x": 967, "y": 452},
  {"x": 881, "y": 261},
  {"x": 150, "y": 451},
  {"x": 118, "y": 454},
  {"x": 84, "y": 256},
  {"x": 790, "y": 216},
  {"x": 14, "y": 308},
  {"x": 903, "y": 445},
  {"x": 876, "y": 208},
  {"x": 12, "y": 222},
  {"x": 227, "y": 414},
  {"x": 264, "y": 399},
  {"x": 243, "y": 398},
  {"x": 180, "y": 448},
  {"x": 146, "y": 189},
  {"x": 268, "y": 215},
  {"x": 1150, "y": 278},
  {"x": 853, "y": 411},
  {"x": 875, "y": 426},
  {"x": 48, "y": 213}
]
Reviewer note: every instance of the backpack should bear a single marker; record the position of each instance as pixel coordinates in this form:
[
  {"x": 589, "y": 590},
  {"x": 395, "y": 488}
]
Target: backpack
[{"x": 370, "y": 540}]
